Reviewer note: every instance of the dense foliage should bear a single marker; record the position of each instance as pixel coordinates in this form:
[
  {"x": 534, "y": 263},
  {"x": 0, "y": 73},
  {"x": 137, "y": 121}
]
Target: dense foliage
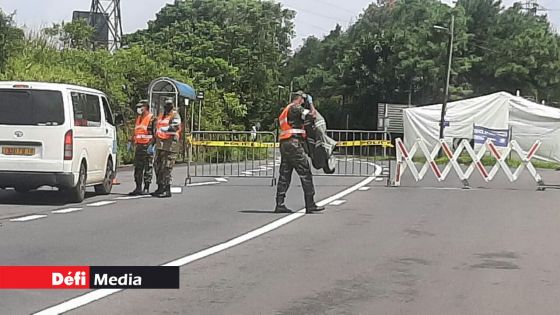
[
  {"x": 394, "y": 54},
  {"x": 238, "y": 52}
]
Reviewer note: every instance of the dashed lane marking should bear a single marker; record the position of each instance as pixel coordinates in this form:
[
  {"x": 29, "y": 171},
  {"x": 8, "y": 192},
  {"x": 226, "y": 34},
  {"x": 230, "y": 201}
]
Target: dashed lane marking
[
  {"x": 29, "y": 218},
  {"x": 202, "y": 184},
  {"x": 364, "y": 189},
  {"x": 337, "y": 202},
  {"x": 176, "y": 190},
  {"x": 69, "y": 210},
  {"x": 221, "y": 180},
  {"x": 132, "y": 197},
  {"x": 102, "y": 293},
  {"x": 101, "y": 203}
]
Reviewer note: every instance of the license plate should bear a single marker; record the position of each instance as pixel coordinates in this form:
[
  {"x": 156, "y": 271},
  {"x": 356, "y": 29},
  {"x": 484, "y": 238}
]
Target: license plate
[{"x": 18, "y": 151}]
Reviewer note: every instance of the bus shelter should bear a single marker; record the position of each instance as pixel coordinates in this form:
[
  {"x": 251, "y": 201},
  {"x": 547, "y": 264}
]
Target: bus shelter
[
  {"x": 182, "y": 94},
  {"x": 166, "y": 88}
]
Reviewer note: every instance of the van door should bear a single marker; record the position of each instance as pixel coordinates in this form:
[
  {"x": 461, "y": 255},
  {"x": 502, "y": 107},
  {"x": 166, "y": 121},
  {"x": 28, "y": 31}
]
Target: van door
[
  {"x": 32, "y": 128},
  {"x": 89, "y": 135},
  {"x": 110, "y": 131}
]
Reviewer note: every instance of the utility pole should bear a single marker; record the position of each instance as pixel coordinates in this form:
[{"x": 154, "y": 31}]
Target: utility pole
[{"x": 451, "y": 33}]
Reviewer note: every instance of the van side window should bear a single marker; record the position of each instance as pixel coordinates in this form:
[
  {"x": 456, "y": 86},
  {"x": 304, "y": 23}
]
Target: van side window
[
  {"x": 107, "y": 110},
  {"x": 79, "y": 105},
  {"x": 93, "y": 110},
  {"x": 87, "y": 111}
]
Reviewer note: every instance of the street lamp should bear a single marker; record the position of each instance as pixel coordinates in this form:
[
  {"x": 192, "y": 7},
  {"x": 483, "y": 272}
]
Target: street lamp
[
  {"x": 451, "y": 33},
  {"x": 200, "y": 97}
]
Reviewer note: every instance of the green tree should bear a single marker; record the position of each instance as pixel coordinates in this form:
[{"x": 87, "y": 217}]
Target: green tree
[
  {"x": 238, "y": 46},
  {"x": 10, "y": 38}
]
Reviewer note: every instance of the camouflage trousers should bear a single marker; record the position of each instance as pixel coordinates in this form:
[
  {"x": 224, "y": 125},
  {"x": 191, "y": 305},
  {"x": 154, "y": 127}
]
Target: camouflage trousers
[
  {"x": 143, "y": 163},
  {"x": 163, "y": 165},
  {"x": 294, "y": 157}
]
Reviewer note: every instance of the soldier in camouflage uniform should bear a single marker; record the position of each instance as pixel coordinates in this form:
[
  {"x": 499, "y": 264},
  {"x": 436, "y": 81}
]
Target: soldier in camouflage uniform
[
  {"x": 167, "y": 147},
  {"x": 292, "y": 138},
  {"x": 143, "y": 148}
]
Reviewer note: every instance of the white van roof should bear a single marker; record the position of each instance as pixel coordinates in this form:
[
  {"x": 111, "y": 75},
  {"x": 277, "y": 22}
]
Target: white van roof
[{"x": 47, "y": 86}]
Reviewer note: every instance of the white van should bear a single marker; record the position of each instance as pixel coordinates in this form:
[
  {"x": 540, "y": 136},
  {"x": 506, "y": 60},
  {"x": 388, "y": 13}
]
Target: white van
[{"x": 56, "y": 135}]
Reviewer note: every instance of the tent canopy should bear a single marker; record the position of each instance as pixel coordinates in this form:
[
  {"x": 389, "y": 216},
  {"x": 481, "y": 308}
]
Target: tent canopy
[{"x": 527, "y": 121}]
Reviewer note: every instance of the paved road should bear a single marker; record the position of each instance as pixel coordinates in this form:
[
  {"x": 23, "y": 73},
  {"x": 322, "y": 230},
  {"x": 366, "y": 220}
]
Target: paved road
[{"x": 419, "y": 249}]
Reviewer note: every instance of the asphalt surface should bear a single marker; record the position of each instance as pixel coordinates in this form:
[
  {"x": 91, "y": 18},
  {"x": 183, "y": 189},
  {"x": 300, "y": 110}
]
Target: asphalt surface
[{"x": 424, "y": 248}]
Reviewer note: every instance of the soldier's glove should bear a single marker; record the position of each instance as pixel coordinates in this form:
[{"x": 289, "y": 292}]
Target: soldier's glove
[
  {"x": 151, "y": 150},
  {"x": 129, "y": 146}
]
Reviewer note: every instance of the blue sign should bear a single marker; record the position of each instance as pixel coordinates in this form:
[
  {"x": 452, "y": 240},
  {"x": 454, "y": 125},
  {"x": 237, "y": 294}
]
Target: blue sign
[{"x": 500, "y": 137}]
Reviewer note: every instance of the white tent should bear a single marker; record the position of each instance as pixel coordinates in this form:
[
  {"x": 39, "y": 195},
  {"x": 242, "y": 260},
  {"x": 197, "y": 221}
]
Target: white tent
[{"x": 527, "y": 121}]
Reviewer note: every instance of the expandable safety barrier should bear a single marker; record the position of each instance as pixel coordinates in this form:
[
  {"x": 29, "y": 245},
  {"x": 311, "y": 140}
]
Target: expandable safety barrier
[{"x": 405, "y": 160}]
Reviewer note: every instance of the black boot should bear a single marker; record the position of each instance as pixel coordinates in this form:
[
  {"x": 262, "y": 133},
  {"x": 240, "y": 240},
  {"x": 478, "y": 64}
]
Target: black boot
[
  {"x": 311, "y": 206},
  {"x": 146, "y": 190},
  {"x": 281, "y": 207},
  {"x": 137, "y": 191},
  {"x": 158, "y": 191},
  {"x": 166, "y": 192}
]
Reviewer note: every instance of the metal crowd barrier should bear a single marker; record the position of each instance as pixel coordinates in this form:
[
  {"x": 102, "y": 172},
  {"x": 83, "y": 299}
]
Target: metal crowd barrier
[
  {"x": 232, "y": 154},
  {"x": 359, "y": 153},
  {"x": 405, "y": 160}
]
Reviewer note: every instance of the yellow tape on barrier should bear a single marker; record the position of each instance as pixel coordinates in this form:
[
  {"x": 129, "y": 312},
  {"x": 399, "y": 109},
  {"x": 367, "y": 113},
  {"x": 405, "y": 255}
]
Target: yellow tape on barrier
[
  {"x": 248, "y": 144},
  {"x": 365, "y": 143},
  {"x": 235, "y": 144}
]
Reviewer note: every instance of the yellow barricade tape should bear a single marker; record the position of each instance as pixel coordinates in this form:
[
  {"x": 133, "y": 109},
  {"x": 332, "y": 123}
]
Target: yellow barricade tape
[
  {"x": 248, "y": 144},
  {"x": 365, "y": 143},
  {"x": 235, "y": 144}
]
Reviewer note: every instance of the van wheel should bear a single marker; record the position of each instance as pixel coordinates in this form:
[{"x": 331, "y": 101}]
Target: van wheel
[
  {"x": 78, "y": 193},
  {"x": 107, "y": 186}
]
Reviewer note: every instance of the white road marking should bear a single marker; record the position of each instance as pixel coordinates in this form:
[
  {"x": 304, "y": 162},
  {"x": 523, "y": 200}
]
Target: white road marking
[
  {"x": 101, "y": 203},
  {"x": 102, "y": 293},
  {"x": 364, "y": 189},
  {"x": 28, "y": 218},
  {"x": 202, "y": 184},
  {"x": 379, "y": 179},
  {"x": 337, "y": 202},
  {"x": 132, "y": 197},
  {"x": 176, "y": 190},
  {"x": 64, "y": 211},
  {"x": 221, "y": 180}
]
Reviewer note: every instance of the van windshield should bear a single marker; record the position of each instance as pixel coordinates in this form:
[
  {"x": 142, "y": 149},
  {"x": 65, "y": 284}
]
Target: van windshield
[{"x": 31, "y": 107}]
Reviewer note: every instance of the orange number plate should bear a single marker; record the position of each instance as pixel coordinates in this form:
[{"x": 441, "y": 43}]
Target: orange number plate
[{"x": 18, "y": 151}]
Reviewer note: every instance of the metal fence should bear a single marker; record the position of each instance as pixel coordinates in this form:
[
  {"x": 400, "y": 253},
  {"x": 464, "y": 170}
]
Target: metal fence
[
  {"x": 362, "y": 153},
  {"x": 250, "y": 154},
  {"x": 232, "y": 154}
]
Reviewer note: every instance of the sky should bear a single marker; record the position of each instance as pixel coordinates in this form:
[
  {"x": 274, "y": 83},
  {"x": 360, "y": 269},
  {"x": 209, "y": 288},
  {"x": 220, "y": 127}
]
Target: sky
[{"x": 314, "y": 17}]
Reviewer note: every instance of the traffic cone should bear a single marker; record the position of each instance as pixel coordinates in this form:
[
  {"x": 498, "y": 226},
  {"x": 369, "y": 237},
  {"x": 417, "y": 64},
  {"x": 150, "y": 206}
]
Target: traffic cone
[{"x": 115, "y": 181}]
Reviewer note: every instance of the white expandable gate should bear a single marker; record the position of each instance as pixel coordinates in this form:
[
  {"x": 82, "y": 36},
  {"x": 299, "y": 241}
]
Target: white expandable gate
[{"x": 405, "y": 160}]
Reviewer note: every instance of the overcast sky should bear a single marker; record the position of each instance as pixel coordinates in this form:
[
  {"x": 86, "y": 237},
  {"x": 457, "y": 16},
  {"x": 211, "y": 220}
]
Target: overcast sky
[{"x": 315, "y": 17}]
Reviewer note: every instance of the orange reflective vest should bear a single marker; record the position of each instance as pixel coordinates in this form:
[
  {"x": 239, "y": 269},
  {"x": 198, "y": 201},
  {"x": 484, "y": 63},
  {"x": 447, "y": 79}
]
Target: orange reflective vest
[
  {"x": 286, "y": 130},
  {"x": 141, "y": 133},
  {"x": 163, "y": 122}
]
